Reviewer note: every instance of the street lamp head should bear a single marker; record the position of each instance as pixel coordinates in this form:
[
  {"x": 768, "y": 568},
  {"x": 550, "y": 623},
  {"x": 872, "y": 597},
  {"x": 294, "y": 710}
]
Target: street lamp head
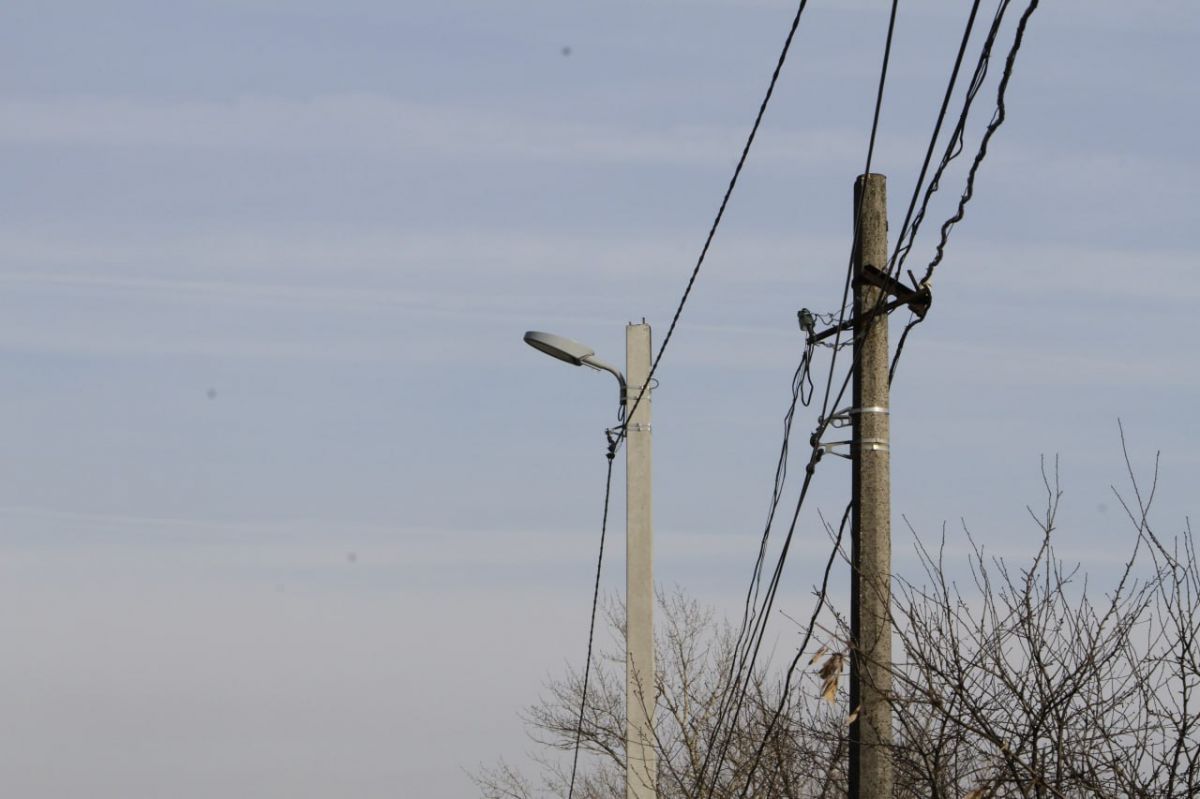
[
  {"x": 562, "y": 348},
  {"x": 573, "y": 353}
]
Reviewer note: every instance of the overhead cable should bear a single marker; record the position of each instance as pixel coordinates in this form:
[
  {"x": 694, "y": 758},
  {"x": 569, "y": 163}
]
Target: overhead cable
[
  {"x": 587, "y": 664},
  {"x": 745, "y": 660},
  {"x": 998, "y": 117},
  {"x": 712, "y": 231}
]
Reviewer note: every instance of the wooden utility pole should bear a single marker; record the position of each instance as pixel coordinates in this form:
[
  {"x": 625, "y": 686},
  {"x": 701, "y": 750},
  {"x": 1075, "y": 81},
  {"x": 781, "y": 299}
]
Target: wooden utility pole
[{"x": 871, "y": 529}]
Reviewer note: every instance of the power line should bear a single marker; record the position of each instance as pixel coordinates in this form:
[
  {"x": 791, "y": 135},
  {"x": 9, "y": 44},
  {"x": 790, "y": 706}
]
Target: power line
[
  {"x": 804, "y": 642},
  {"x": 755, "y": 623},
  {"x": 781, "y": 468},
  {"x": 623, "y": 429},
  {"x": 998, "y": 117},
  {"x": 937, "y": 129},
  {"x": 712, "y": 231},
  {"x": 955, "y": 144},
  {"x": 587, "y": 666},
  {"x": 887, "y": 52},
  {"x": 742, "y": 670}
]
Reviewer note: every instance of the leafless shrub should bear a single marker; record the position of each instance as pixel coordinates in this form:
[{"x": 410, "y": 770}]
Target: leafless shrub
[
  {"x": 1030, "y": 684},
  {"x": 1025, "y": 682}
]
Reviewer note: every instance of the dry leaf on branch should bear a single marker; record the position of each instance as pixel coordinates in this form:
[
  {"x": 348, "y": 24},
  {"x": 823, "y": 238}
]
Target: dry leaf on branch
[{"x": 831, "y": 671}]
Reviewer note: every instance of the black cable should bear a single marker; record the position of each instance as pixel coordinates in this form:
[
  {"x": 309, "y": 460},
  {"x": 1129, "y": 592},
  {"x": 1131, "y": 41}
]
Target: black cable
[
  {"x": 800, "y": 378},
  {"x": 937, "y": 130},
  {"x": 804, "y": 642},
  {"x": 980, "y": 71},
  {"x": 887, "y": 52},
  {"x": 998, "y": 118},
  {"x": 745, "y": 668},
  {"x": 712, "y": 231},
  {"x": 955, "y": 145},
  {"x": 587, "y": 667},
  {"x": 953, "y": 150},
  {"x": 623, "y": 430},
  {"x": 912, "y": 223},
  {"x": 913, "y": 321}
]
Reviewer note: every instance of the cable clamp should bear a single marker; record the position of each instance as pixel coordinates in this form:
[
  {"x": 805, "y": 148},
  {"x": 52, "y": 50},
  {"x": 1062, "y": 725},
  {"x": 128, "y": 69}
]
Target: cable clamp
[
  {"x": 868, "y": 444},
  {"x": 828, "y": 448},
  {"x": 843, "y": 418},
  {"x": 836, "y": 419},
  {"x": 638, "y": 427}
]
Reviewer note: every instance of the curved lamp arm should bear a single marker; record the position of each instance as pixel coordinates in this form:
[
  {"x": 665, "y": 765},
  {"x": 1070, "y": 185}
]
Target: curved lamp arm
[
  {"x": 601, "y": 366},
  {"x": 574, "y": 353}
]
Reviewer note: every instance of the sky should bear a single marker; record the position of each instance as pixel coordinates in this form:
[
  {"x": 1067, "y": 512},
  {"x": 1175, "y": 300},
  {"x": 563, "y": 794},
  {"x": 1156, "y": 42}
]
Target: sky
[{"x": 287, "y": 508}]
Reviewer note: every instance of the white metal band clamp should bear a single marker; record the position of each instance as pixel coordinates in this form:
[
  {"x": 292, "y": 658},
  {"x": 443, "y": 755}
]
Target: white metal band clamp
[
  {"x": 843, "y": 418},
  {"x": 868, "y": 444}
]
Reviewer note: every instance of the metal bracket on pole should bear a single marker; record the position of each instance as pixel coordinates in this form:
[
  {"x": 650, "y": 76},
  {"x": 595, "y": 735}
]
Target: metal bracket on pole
[
  {"x": 918, "y": 301},
  {"x": 828, "y": 448},
  {"x": 842, "y": 418},
  {"x": 869, "y": 444}
]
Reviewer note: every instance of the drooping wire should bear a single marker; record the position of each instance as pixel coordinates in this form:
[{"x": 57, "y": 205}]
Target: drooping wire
[
  {"x": 998, "y": 117},
  {"x": 712, "y": 231},
  {"x": 742, "y": 669},
  {"x": 802, "y": 395},
  {"x": 822, "y": 593},
  {"x": 887, "y": 52},
  {"x": 933, "y": 140},
  {"x": 953, "y": 151},
  {"x": 613, "y": 442},
  {"x": 954, "y": 145},
  {"x": 808, "y": 633},
  {"x": 628, "y": 414}
]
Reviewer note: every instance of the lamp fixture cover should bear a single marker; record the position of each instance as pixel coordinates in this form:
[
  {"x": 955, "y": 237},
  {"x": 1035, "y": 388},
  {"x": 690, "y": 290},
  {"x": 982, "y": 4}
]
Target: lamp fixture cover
[{"x": 562, "y": 348}]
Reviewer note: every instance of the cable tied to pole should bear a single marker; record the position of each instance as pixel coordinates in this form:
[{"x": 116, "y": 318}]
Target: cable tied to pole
[{"x": 613, "y": 443}]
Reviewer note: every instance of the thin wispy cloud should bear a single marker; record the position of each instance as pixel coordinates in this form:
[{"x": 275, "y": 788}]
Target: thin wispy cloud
[{"x": 391, "y": 129}]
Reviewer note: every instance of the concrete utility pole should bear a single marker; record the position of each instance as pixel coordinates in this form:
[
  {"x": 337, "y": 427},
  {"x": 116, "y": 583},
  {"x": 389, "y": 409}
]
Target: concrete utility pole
[
  {"x": 871, "y": 529},
  {"x": 641, "y": 768},
  {"x": 641, "y": 693}
]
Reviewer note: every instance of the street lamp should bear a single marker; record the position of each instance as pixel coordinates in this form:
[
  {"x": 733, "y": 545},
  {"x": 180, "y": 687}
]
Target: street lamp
[
  {"x": 641, "y": 762},
  {"x": 573, "y": 353}
]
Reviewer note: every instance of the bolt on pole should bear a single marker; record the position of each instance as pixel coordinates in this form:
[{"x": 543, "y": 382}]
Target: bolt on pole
[
  {"x": 871, "y": 546},
  {"x": 641, "y": 763}
]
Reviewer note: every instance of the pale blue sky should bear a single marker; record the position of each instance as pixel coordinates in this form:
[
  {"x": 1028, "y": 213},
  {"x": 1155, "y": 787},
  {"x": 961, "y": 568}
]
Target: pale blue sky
[{"x": 287, "y": 509}]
